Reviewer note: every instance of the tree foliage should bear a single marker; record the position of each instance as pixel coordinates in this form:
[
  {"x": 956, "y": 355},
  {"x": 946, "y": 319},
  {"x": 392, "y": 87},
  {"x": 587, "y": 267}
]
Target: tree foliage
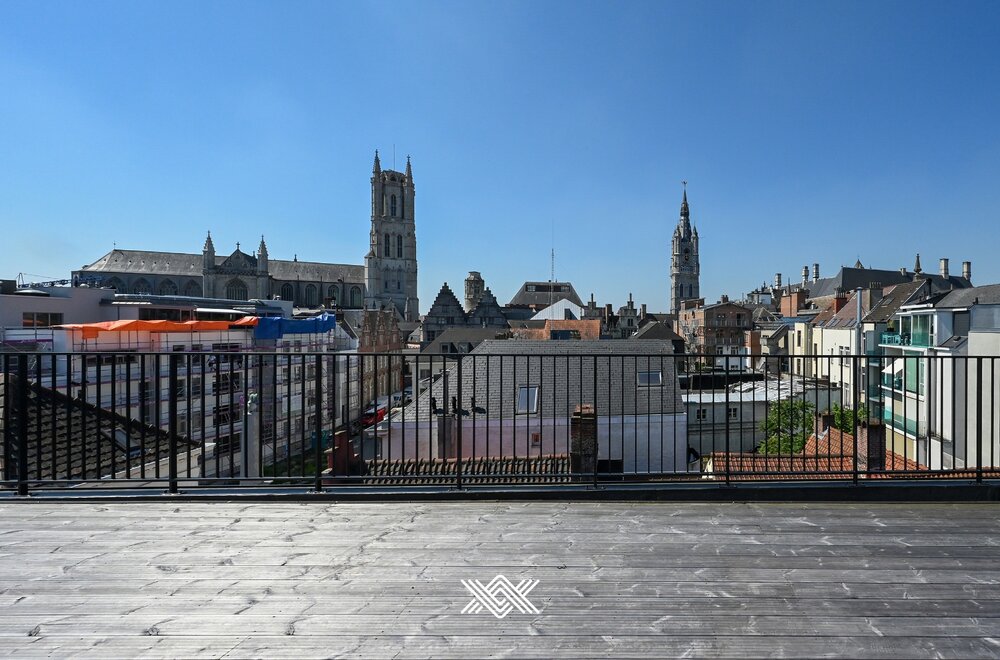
[
  {"x": 787, "y": 427},
  {"x": 844, "y": 418}
]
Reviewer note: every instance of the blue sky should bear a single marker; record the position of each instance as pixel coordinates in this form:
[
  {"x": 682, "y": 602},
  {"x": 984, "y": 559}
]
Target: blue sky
[{"x": 808, "y": 133}]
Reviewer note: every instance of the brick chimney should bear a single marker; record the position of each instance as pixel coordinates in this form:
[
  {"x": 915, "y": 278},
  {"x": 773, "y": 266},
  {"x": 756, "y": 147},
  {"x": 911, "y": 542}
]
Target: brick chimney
[
  {"x": 724, "y": 298},
  {"x": 583, "y": 439},
  {"x": 839, "y": 301},
  {"x": 792, "y": 303},
  {"x": 871, "y": 445},
  {"x": 822, "y": 422},
  {"x": 642, "y": 311}
]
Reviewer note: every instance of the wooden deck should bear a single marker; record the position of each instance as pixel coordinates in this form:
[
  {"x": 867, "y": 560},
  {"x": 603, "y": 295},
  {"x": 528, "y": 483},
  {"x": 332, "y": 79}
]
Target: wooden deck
[{"x": 298, "y": 580}]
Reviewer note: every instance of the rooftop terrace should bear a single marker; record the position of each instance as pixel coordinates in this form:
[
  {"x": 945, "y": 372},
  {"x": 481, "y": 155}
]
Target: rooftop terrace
[{"x": 375, "y": 580}]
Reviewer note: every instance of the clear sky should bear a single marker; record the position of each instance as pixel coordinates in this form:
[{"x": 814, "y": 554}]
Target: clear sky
[{"x": 808, "y": 132}]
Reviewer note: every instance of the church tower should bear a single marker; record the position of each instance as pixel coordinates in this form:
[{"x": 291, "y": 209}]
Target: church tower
[
  {"x": 684, "y": 267},
  {"x": 391, "y": 263}
]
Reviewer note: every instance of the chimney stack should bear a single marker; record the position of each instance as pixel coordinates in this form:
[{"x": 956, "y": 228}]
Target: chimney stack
[
  {"x": 815, "y": 272},
  {"x": 724, "y": 298},
  {"x": 643, "y": 311},
  {"x": 967, "y": 270},
  {"x": 777, "y": 280},
  {"x": 902, "y": 271},
  {"x": 943, "y": 268},
  {"x": 805, "y": 275}
]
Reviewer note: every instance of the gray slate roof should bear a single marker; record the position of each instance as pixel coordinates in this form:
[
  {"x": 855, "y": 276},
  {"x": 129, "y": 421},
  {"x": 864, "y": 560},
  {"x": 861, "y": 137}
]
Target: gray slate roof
[
  {"x": 152, "y": 263},
  {"x": 981, "y": 295},
  {"x": 848, "y": 279},
  {"x": 657, "y": 330},
  {"x": 460, "y": 336},
  {"x": 564, "y": 374},
  {"x": 181, "y": 264},
  {"x": 525, "y": 298},
  {"x": 892, "y": 300}
]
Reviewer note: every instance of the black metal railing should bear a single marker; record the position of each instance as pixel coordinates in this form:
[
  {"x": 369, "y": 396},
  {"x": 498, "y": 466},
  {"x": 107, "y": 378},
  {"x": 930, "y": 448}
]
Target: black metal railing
[{"x": 564, "y": 413}]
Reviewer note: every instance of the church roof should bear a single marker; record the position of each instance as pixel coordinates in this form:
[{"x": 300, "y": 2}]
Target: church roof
[
  {"x": 314, "y": 271},
  {"x": 147, "y": 262},
  {"x": 180, "y": 264}
]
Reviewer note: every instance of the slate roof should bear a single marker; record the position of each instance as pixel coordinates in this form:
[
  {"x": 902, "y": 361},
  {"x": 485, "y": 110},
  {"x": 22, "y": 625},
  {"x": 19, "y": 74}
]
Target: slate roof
[
  {"x": 460, "y": 336},
  {"x": 153, "y": 263},
  {"x": 981, "y": 295},
  {"x": 848, "y": 279},
  {"x": 64, "y": 441},
  {"x": 894, "y": 298},
  {"x": 525, "y": 298},
  {"x": 180, "y": 264},
  {"x": 564, "y": 373},
  {"x": 657, "y": 330},
  {"x": 314, "y": 271}
]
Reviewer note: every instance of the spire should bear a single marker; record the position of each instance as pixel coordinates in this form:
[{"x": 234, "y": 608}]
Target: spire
[
  {"x": 685, "y": 211},
  {"x": 409, "y": 170},
  {"x": 209, "y": 245},
  {"x": 916, "y": 266},
  {"x": 262, "y": 248},
  {"x": 377, "y": 168}
]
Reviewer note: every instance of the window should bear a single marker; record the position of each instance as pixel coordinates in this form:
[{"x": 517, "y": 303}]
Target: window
[
  {"x": 356, "y": 297},
  {"x": 650, "y": 378},
  {"x": 399, "y": 246},
  {"x": 287, "y": 292},
  {"x": 388, "y": 245},
  {"x": 331, "y": 293},
  {"x": 701, "y": 414},
  {"x": 734, "y": 413},
  {"x": 392, "y": 206},
  {"x": 41, "y": 319},
  {"x": 236, "y": 290},
  {"x": 226, "y": 383},
  {"x": 527, "y": 399},
  {"x": 168, "y": 288}
]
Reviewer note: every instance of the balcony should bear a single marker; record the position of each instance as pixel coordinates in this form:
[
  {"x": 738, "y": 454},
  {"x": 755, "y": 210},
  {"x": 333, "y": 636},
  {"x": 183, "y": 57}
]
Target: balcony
[{"x": 894, "y": 339}]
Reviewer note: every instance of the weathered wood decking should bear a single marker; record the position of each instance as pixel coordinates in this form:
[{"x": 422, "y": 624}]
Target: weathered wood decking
[{"x": 235, "y": 580}]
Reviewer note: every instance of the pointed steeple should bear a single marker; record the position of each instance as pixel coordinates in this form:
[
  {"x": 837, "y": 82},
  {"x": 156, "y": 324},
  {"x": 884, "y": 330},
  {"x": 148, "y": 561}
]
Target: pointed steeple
[
  {"x": 685, "y": 211},
  {"x": 409, "y": 170},
  {"x": 916, "y": 266},
  {"x": 262, "y": 248},
  {"x": 209, "y": 245},
  {"x": 377, "y": 168}
]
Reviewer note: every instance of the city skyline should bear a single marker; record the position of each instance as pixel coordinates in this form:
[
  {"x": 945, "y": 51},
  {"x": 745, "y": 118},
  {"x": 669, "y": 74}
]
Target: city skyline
[{"x": 523, "y": 123}]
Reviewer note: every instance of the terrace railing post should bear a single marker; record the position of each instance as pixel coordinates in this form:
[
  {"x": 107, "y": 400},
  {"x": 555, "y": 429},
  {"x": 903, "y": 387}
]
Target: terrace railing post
[
  {"x": 597, "y": 442},
  {"x": 458, "y": 421},
  {"x": 979, "y": 419},
  {"x": 727, "y": 422},
  {"x": 172, "y": 424},
  {"x": 22, "y": 426},
  {"x": 318, "y": 485}
]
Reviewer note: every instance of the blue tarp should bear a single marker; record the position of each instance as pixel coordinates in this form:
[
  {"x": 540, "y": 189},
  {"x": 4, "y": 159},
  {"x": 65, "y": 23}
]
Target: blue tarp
[{"x": 276, "y": 328}]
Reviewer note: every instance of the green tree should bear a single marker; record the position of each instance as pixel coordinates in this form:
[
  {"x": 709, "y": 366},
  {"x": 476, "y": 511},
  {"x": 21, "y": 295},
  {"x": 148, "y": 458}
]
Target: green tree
[
  {"x": 844, "y": 418},
  {"x": 787, "y": 427}
]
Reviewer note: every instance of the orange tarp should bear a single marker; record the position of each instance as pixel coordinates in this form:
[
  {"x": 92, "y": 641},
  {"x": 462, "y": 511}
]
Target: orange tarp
[{"x": 91, "y": 330}]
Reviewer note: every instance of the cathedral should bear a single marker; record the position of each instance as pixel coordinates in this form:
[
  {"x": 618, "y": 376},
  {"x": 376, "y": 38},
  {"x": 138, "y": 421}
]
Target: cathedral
[
  {"x": 684, "y": 267},
  {"x": 388, "y": 278}
]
